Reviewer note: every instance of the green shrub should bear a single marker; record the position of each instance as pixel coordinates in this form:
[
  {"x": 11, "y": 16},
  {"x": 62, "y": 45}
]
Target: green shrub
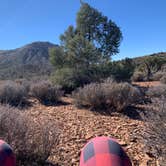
[
  {"x": 122, "y": 70},
  {"x": 31, "y": 141},
  {"x": 70, "y": 79},
  {"x": 46, "y": 92},
  {"x": 65, "y": 78},
  {"x": 110, "y": 94},
  {"x": 13, "y": 93}
]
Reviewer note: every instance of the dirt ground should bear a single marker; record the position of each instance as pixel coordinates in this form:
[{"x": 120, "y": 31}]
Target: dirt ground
[
  {"x": 147, "y": 83},
  {"x": 80, "y": 125}
]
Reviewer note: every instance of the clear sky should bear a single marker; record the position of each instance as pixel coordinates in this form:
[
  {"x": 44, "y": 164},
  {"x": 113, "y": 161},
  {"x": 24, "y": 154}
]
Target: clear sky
[{"x": 143, "y": 22}]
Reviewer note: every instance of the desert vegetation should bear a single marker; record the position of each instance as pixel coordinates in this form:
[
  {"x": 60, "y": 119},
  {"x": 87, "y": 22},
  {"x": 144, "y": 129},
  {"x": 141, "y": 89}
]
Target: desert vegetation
[
  {"x": 157, "y": 91},
  {"x": 13, "y": 93},
  {"x": 76, "y": 92},
  {"x": 31, "y": 142},
  {"x": 46, "y": 92},
  {"x": 109, "y": 95},
  {"x": 155, "y": 137}
]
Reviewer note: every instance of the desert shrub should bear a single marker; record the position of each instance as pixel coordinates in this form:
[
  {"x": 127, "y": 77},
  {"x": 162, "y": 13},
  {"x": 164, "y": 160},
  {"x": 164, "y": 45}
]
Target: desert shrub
[
  {"x": 156, "y": 91},
  {"x": 91, "y": 95},
  {"x": 163, "y": 68},
  {"x": 138, "y": 76},
  {"x": 110, "y": 94},
  {"x": 31, "y": 142},
  {"x": 46, "y": 92},
  {"x": 157, "y": 76},
  {"x": 13, "y": 93},
  {"x": 122, "y": 95},
  {"x": 25, "y": 83},
  {"x": 163, "y": 78},
  {"x": 109, "y": 80},
  {"x": 155, "y": 131},
  {"x": 150, "y": 65}
]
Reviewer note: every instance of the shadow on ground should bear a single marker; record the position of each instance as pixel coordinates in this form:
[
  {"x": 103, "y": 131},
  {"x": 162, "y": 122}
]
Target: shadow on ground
[
  {"x": 28, "y": 163},
  {"x": 59, "y": 103},
  {"x": 134, "y": 113}
]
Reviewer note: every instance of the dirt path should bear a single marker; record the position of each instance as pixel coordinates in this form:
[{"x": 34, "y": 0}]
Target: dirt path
[
  {"x": 147, "y": 84},
  {"x": 81, "y": 125}
]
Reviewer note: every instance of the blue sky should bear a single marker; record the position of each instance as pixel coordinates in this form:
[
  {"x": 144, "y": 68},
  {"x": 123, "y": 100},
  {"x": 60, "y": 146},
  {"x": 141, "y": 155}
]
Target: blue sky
[{"x": 143, "y": 22}]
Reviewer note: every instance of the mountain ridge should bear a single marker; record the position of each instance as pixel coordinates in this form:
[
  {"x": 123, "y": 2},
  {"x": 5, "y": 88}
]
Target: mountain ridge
[{"x": 33, "y": 58}]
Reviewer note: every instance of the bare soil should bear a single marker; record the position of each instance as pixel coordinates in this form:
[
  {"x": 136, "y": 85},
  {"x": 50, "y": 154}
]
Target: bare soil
[
  {"x": 80, "y": 125},
  {"x": 147, "y": 83}
]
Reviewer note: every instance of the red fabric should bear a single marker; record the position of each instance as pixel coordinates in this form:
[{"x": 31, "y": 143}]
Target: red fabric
[
  {"x": 101, "y": 145},
  {"x": 91, "y": 162},
  {"x": 7, "y": 157},
  {"x": 103, "y": 151}
]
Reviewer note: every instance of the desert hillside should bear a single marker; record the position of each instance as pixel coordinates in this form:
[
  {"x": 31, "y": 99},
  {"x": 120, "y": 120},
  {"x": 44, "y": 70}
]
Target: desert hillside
[{"x": 26, "y": 61}]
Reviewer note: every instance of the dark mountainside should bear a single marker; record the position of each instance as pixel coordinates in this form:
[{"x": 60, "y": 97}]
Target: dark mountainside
[{"x": 29, "y": 60}]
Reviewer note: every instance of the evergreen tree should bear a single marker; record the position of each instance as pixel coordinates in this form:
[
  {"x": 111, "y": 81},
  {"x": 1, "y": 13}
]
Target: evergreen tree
[
  {"x": 102, "y": 32},
  {"x": 86, "y": 48}
]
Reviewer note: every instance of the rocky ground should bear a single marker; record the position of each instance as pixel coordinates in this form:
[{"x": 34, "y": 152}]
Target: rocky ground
[{"x": 80, "y": 125}]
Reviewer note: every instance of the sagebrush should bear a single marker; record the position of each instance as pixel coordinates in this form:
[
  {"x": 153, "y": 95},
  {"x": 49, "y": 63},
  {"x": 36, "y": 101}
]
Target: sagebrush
[
  {"x": 155, "y": 131},
  {"x": 46, "y": 92},
  {"x": 163, "y": 78},
  {"x": 108, "y": 95},
  {"x": 156, "y": 91},
  {"x": 31, "y": 141},
  {"x": 13, "y": 93},
  {"x": 158, "y": 76}
]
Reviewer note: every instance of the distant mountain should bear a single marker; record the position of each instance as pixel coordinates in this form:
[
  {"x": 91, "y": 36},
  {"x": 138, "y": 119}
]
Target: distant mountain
[
  {"x": 33, "y": 53},
  {"x": 29, "y": 60}
]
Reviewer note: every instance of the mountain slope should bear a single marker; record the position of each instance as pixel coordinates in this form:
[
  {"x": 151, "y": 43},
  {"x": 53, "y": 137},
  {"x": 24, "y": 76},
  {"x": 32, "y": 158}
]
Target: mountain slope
[
  {"x": 36, "y": 52},
  {"x": 31, "y": 59}
]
